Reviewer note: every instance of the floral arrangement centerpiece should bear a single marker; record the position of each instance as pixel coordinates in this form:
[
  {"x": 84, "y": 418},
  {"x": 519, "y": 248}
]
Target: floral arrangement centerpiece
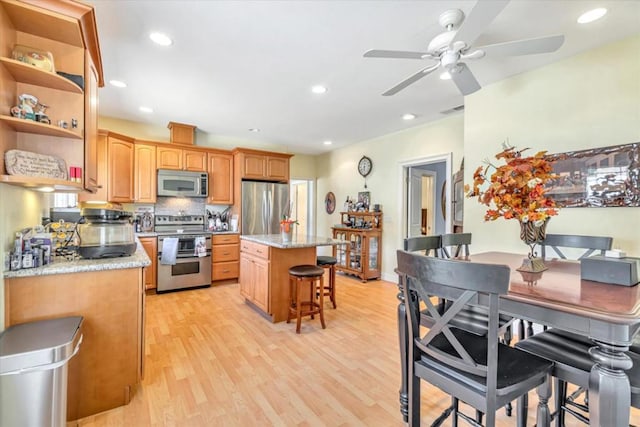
[{"x": 517, "y": 191}]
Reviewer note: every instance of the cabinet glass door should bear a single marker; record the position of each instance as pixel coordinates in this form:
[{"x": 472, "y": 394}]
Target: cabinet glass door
[
  {"x": 373, "y": 253},
  {"x": 356, "y": 251}
]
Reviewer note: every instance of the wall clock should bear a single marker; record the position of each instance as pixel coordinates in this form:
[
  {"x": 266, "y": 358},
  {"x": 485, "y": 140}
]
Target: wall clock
[{"x": 364, "y": 168}]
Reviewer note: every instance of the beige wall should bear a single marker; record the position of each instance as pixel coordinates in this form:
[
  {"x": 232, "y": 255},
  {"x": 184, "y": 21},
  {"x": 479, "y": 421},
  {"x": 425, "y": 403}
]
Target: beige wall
[
  {"x": 337, "y": 172},
  {"x": 19, "y": 208},
  {"x": 589, "y": 100}
]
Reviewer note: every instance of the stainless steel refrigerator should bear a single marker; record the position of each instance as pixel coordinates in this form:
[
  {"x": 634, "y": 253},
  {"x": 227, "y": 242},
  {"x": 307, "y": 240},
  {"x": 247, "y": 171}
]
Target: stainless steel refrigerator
[{"x": 263, "y": 205}]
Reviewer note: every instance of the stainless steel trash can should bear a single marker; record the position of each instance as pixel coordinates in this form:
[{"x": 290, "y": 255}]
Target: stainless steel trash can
[{"x": 34, "y": 360}]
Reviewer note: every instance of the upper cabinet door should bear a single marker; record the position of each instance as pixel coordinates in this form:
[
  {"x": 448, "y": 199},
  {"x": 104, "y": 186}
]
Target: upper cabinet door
[
  {"x": 220, "y": 179},
  {"x": 120, "y": 160},
  {"x": 145, "y": 177},
  {"x": 277, "y": 168},
  {"x": 194, "y": 160},
  {"x": 254, "y": 166},
  {"x": 169, "y": 158}
]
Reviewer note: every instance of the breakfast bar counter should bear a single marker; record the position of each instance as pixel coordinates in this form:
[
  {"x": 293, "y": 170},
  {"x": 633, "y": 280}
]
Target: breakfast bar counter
[{"x": 265, "y": 260}]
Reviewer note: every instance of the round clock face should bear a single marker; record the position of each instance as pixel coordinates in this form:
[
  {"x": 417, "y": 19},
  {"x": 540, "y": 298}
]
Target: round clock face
[{"x": 364, "y": 166}]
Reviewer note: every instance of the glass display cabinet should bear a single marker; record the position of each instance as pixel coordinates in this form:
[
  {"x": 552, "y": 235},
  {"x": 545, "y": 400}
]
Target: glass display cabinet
[{"x": 361, "y": 256}]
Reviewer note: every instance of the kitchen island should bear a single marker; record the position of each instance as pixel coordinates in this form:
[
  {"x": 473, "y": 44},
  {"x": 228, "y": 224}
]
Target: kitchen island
[
  {"x": 265, "y": 260},
  {"x": 109, "y": 294}
]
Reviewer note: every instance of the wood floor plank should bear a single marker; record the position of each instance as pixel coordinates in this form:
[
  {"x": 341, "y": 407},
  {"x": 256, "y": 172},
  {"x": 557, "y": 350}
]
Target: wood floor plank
[{"x": 211, "y": 360}]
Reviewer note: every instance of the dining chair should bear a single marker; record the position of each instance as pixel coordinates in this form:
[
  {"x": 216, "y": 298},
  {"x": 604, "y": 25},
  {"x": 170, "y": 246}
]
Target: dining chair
[
  {"x": 428, "y": 244},
  {"x": 453, "y": 245},
  {"x": 477, "y": 370},
  {"x": 572, "y": 364},
  {"x": 589, "y": 243}
]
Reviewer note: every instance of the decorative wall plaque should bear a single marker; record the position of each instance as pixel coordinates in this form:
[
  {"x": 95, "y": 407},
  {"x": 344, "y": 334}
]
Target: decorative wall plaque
[{"x": 26, "y": 163}]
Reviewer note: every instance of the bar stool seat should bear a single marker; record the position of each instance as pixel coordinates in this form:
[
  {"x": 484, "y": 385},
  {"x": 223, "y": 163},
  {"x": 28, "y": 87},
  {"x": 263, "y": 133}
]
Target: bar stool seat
[
  {"x": 329, "y": 289},
  {"x": 311, "y": 304}
]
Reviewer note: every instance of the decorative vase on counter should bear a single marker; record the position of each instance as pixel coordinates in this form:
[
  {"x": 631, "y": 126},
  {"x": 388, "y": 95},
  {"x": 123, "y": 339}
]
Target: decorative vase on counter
[
  {"x": 286, "y": 230},
  {"x": 533, "y": 233}
]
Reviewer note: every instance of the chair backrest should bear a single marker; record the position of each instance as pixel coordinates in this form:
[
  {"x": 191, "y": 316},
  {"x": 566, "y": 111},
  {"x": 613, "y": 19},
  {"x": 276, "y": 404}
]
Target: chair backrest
[
  {"x": 455, "y": 244},
  {"x": 427, "y": 244},
  {"x": 590, "y": 243},
  {"x": 463, "y": 283}
]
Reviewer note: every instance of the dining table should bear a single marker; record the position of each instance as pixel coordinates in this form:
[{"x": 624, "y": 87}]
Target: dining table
[{"x": 558, "y": 297}]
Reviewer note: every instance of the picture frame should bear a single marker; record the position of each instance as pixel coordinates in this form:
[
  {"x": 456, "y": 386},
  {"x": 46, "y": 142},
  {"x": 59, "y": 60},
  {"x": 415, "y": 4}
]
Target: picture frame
[
  {"x": 597, "y": 177},
  {"x": 330, "y": 202},
  {"x": 364, "y": 199}
]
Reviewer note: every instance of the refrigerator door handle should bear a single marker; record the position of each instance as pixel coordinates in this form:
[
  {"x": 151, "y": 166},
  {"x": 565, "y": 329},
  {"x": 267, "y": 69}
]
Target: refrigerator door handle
[
  {"x": 269, "y": 211},
  {"x": 265, "y": 207}
]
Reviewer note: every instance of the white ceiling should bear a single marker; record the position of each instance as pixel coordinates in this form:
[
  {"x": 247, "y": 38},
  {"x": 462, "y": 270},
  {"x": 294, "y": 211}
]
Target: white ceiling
[{"x": 236, "y": 65}]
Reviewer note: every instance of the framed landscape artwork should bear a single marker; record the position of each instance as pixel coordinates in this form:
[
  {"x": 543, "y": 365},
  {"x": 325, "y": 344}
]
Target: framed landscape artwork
[{"x": 597, "y": 177}]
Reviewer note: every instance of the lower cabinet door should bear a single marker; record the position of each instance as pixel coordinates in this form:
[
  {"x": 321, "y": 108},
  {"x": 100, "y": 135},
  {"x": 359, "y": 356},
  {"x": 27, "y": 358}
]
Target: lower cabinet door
[
  {"x": 246, "y": 277},
  {"x": 261, "y": 284}
]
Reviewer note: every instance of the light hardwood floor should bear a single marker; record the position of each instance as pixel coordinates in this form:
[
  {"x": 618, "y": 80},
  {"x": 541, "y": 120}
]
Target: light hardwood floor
[{"x": 211, "y": 360}]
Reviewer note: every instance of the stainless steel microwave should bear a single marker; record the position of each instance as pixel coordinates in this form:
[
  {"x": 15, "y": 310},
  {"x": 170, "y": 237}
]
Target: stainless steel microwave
[{"x": 182, "y": 183}]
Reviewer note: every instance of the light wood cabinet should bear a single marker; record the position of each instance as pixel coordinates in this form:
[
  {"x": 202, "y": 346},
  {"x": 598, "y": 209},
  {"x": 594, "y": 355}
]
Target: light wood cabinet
[
  {"x": 261, "y": 165},
  {"x": 220, "y": 178},
  {"x": 115, "y": 157},
  {"x": 193, "y": 160},
  {"x": 68, "y": 31},
  {"x": 362, "y": 255},
  {"x": 144, "y": 173},
  {"x": 169, "y": 158},
  {"x": 264, "y": 275},
  {"x": 149, "y": 274},
  {"x": 225, "y": 256},
  {"x": 120, "y": 155},
  {"x": 181, "y": 159}
]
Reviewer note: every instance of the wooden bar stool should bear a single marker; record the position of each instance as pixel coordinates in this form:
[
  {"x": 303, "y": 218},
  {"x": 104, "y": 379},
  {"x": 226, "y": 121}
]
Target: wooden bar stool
[
  {"x": 330, "y": 289},
  {"x": 311, "y": 304}
]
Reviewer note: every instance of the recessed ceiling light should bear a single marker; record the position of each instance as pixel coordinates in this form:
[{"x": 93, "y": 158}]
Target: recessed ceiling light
[
  {"x": 161, "y": 39},
  {"x": 319, "y": 89},
  {"x": 46, "y": 189},
  {"x": 592, "y": 15},
  {"x": 254, "y": 130},
  {"x": 327, "y": 142},
  {"x": 146, "y": 110},
  {"x": 117, "y": 83},
  {"x": 445, "y": 76},
  {"x": 408, "y": 116}
]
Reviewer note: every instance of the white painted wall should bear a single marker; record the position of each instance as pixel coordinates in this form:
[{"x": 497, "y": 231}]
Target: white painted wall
[
  {"x": 589, "y": 100},
  {"x": 19, "y": 208}
]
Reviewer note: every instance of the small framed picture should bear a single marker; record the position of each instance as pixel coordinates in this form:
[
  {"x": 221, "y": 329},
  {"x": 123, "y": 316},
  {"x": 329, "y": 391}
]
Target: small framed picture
[{"x": 364, "y": 197}]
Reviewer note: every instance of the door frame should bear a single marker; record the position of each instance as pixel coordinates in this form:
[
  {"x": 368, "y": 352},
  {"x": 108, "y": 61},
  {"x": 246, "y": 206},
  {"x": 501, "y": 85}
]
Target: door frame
[
  {"x": 424, "y": 173},
  {"x": 403, "y": 203}
]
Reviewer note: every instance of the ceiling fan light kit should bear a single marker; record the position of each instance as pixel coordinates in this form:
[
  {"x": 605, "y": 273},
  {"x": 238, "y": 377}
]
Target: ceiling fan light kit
[{"x": 455, "y": 44}]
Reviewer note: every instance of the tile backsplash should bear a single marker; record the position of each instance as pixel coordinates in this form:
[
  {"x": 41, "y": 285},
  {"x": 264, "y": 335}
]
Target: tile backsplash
[{"x": 173, "y": 205}]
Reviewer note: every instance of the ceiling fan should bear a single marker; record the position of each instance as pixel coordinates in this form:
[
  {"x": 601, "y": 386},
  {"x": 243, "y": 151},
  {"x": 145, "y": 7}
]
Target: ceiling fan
[{"x": 455, "y": 45}]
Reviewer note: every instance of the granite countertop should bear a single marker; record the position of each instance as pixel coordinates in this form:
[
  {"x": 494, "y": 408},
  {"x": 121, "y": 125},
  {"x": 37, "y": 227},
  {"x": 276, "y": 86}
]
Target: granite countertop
[
  {"x": 297, "y": 241},
  {"x": 138, "y": 260}
]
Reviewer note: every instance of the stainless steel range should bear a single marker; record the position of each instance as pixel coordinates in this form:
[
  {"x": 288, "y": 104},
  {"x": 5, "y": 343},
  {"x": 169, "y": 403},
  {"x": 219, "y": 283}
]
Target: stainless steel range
[{"x": 184, "y": 252}]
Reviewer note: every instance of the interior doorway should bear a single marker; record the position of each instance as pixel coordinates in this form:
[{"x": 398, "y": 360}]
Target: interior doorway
[
  {"x": 426, "y": 194},
  {"x": 301, "y": 196}
]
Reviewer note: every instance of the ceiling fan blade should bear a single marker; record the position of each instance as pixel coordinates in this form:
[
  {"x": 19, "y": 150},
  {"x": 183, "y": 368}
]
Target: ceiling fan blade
[
  {"x": 414, "y": 78},
  {"x": 525, "y": 47},
  {"x": 395, "y": 54},
  {"x": 464, "y": 79},
  {"x": 482, "y": 14}
]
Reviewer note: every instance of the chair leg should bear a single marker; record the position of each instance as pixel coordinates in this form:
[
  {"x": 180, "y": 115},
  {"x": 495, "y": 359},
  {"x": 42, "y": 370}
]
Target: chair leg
[
  {"x": 321, "y": 302},
  {"x": 291, "y": 290},
  {"x": 529, "y": 329},
  {"x": 522, "y": 410},
  {"x": 332, "y": 283},
  {"x": 479, "y": 415},
  {"x": 298, "y": 307},
  {"x": 559, "y": 398},
  {"x": 454, "y": 413},
  {"x": 521, "y": 332}
]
